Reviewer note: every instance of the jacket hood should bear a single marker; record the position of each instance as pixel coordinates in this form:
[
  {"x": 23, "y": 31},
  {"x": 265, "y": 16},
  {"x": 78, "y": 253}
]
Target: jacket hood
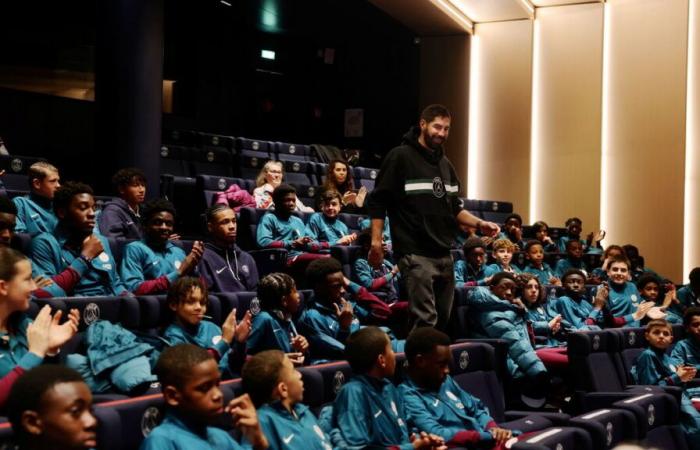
[{"x": 411, "y": 138}]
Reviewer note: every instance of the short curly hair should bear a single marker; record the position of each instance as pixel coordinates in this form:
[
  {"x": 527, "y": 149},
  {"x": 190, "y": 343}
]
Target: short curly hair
[
  {"x": 64, "y": 194},
  {"x": 153, "y": 207},
  {"x": 125, "y": 177}
]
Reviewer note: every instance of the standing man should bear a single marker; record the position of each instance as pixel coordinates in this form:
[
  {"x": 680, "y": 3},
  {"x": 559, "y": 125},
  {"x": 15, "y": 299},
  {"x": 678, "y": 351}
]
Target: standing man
[{"x": 417, "y": 188}]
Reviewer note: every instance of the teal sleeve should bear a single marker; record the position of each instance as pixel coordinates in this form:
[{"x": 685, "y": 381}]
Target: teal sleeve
[
  {"x": 45, "y": 263},
  {"x": 30, "y": 360},
  {"x": 422, "y": 418},
  {"x": 132, "y": 268},
  {"x": 459, "y": 272}
]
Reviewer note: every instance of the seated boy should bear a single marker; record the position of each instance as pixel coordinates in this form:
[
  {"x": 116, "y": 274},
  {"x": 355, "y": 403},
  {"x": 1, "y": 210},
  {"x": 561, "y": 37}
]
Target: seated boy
[
  {"x": 188, "y": 299},
  {"x": 325, "y": 227},
  {"x": 654, "y": 366},
  {"x": 190, "y": 380},
  {"x": 224, "y": 266},
  {"x": 513, "y": 230},
  {"x": 35, "y": 213},
  {"x": 433, "y": 400},
  {"x": 369, "y": 411},
  {"x": 574, "y": 226},
  {"x": 650, "y": 289},
  {"x": 624, "y": 302},
  {"x": 503, "y": 251},
  {"x": 689, "y": 295},
  {"x": 382, "y": 282},
  {"x": 50, "y": 407},
  {"x": 8, "y": 221},
  {"x": 119, "y": 217},
  {"x": 73, "y": 251},
  {"x": 329, "y": 318},
  {"x": 281, "y": 229},
  {"x": 534, "y": 252},
  {"x": 276, "y": 389},
  {"x": 572, "y": 260},
  {"x": 575, "y": 308},
  {"x": 150, "y": 265},
  {"x": 471, "y": 270},
  {"x": 687, "y": 351}
]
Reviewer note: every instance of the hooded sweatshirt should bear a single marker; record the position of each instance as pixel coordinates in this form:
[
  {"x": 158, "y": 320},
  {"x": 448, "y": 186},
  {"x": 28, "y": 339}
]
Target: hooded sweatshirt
[
  {"x": 417, "y": 188},
  {"x": 118, "y": 220}
]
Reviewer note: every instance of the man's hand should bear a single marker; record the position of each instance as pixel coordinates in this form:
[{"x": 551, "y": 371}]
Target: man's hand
[
  {"x": 192, "y": 258},
  {"x": 642, "y": 310},
  {"x": 345, "y": 314},
  {"x": 489, "y": 229},
  {"x": 245, "y": 418},
  {"x": 92, "y": 246},
  {"x": 60, "y": 334},
  {"x": 500, "y": 435},
  {"x": 376, "y": 255},
  {"x": 299, "y": 343},
  {"x": 347, "y": 239},
  {"x": 686, "y": 373}
]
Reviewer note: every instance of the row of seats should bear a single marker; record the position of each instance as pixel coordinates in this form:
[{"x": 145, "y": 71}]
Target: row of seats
[{"x": 648, "y": 417}]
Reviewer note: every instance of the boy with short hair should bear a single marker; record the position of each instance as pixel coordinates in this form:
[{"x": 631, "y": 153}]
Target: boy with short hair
[
  {"x": 35, "y": 213},
  {"x": 50, "y": 406},
  {"x": 224, "y": 266},
  {"x": 689, "y": 295},
  {"x": 151, "y": 265},
  {"x": 324, "y": 227},
  {"x": 8, "y": 221},
  {"x": 574, "y": 226},
  {"x": 435, "y": 402},
  {"x": 654, "y": 366},
  {"x": 534, "y": 252},
  {"x": 575, "y": 308},
  {"x": 687, "y": 351},
  {"x": 573, "y": 259},
  {"x": 277, "y": 390},
  {"x": 624, "y": 301},
  {"x": 382, "y": 281},
  {"x": 281, "y": 229},
  {"x": 190, "y": 383},
  {"x": 471, "y": 271},
  {"x": 503, "y": 251},
  {"x": 513, "y": 230},
  {"x": 329, "y": 318},
  {"x": 119, "y": 217},
  {"x": 74, "y": 251},
  {"x": 369, "y": 411}
]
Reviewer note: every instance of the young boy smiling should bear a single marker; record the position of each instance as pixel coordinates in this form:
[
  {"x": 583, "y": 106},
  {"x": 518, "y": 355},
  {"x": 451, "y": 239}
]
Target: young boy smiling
[{"x": 190, "y": 381}]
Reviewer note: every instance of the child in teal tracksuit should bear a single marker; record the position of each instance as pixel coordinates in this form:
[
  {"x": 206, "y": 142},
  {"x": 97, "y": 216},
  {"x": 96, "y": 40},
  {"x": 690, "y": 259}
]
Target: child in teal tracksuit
[
  {"x": 435, "y": 402},
  {"x": 650, "y": 290},
  {"x": 272, "y": 326},
  {"x": 471, "y": 271},
  {"x": 573, "y": 259},
  {"x": 575, "y": 308},
  {"x": 687, "y": 351},
  {"x": 503, "y": 251},
  {"x": 35, "y": 212},
  {"x": 149, "y": 266},
  {"x": 384, "y": 281},
  {"x": 190, "y": 380},
  {"x": 325, "y": 227},
  {"x": 654, "y": 366},
  {"x": 188, "y": 300},
  {"x": 369, "y": 410},
  {"x": 624, "y": 302},
  {"x": 277, "y": 390},
  {"x": 534, "y": 252}
]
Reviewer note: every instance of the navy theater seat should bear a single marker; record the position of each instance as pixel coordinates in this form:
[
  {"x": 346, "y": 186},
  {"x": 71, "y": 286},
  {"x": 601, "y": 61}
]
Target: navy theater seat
[
  {"x": 657, "y": 418},
  {"x": 209, "y": 140},
  {"x": 123, "y": 424},
  {"x": 352, "y": 221},
  {"x": 607, "y": 427},
  {"x": 174, "y": 160},
  {"x": 365, "y": 177},
  {"x": 251, "y": 164},
  {"x": 298, "y": 172},
  {"x": 180, "y": 137},
  {"x": 306, "y": 193},
  {"x": 213, "y": 161},
  {"x": 474, "y": 370},
  {"x": 248, "y": 225},
  {"x": 21, "y": 242},
  {"x": 334, "y": 376},
  {"x": 292, "y": 152},
  {"x": 15, "y": 184},
  {"x": 559, "y": 438},
  {"x": 6, "y": 435},
  {"x": 346, "y": 254},
  {"x": 313, "y": 388},
  {"x": 254, "y": 145},
  {"x": 182, "y": 192},
  {"x": 320, "y": 170}
]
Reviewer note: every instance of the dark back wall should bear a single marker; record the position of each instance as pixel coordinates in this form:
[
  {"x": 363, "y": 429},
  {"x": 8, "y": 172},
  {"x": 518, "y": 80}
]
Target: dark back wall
[{"x": 222, "y": 85}]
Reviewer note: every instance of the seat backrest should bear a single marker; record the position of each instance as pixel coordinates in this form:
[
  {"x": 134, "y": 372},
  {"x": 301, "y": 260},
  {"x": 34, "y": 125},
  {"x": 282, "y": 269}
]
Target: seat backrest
[
  {"x": 127, "y": 422},
  {"x": 213, "y": 161},
  {"x": 250, "y": 164},
  {"x": 154, "y": 313},
  {"x": 592, "y": 361},
  {"x": 248, "y": 225},
  {"x": 174, "y": 160},
  {"x": 632, "y": 343},
  {"x": 253, "y": 144},
  {"x": 209, "y": 185},
  {"x": 347, "y": 254},
  {"x": 93, "y": 309},
  {"x": 299, "y": 150},
  {"x": 334, "y": 376},
  {"x": 298, "y": 172},
  {"x": 207, "y": 140},
  {"x": 651, "y": 409},
  {"x": 313, "y": 387},
  {"x": 180, "y": 137},
  {"x": 474, "y": 370}
]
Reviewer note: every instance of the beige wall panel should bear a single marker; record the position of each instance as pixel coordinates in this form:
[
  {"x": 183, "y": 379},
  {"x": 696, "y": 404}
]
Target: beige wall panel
[
  {"x": 444, "y": 78},
  {"x": 567, "y": 84},
  {"x": 500, "y": 111},
  {"x": 692, "y": 166},
  {"x": 644, "y": 97}
]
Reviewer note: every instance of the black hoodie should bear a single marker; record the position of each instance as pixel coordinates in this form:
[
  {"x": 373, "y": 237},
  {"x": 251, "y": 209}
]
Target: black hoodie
[{"x": 418, "y": 190}]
